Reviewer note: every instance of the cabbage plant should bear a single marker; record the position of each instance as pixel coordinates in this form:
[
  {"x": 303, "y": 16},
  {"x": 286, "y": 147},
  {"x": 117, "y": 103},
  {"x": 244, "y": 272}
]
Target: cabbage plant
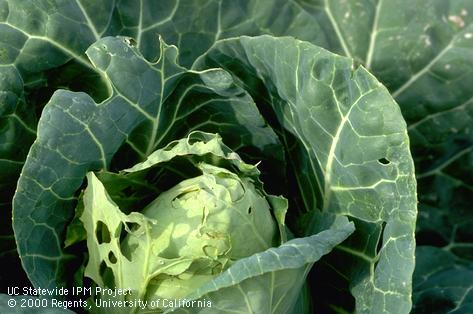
[
  {"x": 331, "y": 140},
  {"x": 313, "y": 109}
]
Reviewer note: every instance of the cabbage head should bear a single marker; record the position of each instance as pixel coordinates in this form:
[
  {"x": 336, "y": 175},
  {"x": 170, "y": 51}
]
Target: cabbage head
[{"x": 192, "y": 234}]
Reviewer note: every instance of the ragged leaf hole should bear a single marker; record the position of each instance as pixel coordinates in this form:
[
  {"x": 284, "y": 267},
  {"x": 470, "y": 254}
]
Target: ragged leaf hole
[
  {"x": 102, "y": 234},
  {"x": 132, "y": 226},
  {"x": 130, "y": 42},
  {"x": 384, "y": 161},
  {"x": 217, "y": 269},
  {"x": 170, "y": 146},
  {"x": 107, "y": 274},
  {"x": 112, "y": 258}
]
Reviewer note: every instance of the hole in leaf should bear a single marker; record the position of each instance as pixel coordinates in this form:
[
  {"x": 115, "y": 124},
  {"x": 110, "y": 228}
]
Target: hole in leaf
[
  {"x": 102, "y": 233},
  {"x": 112, "y": 258},
  {"x": 170, "y": 146},
  {"x": 107, "y": 275},
  {"x": 132, "y": 226},
  {"x": 384, "y": 161},
  {"x": 210, "y": 251},
  {"x": 130, "y": 42},
  {"x": 249, "y": 210},
  {"x": 217, "y": 269}
]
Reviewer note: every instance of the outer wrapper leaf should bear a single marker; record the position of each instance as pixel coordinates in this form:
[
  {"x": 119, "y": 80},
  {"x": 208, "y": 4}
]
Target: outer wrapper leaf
[
  {"x": 269, "y": 282},
  {"x": 354, "y": 151}
]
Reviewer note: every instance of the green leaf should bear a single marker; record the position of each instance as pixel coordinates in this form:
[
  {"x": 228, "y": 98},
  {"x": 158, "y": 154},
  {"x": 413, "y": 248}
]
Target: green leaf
[
  {"x": 197, "y": 145},
  {"x": 35, "y": 38},
  {"x": 354, "y": 141},
  {"x": 279, "y": 272},
  {"x": 422, "y": 51},
  {"x": 17, "y": 132},
  {"x": 432, "y": 85},
  {"x": 443, "y": 283}
]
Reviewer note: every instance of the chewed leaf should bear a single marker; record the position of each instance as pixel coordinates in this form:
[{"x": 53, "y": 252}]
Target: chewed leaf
[
  {"x": 275, "y": 275},
  {"x": 186, "y": 236},
  {"x": 196, "y": 145},
  {"x": 105, "y": 225},
  {"x": 123, "y": 251}
]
